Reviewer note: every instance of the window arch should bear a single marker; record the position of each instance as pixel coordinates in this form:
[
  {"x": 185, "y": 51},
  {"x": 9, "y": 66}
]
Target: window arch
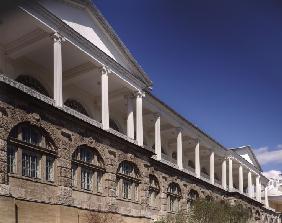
[
  {"x": 154, "y": 189},
  {"x": 128, "y": 181},
  {"x": 173, "y": 195},
  {"x": 32, "y": 83},
  {"x": 75, "y": 105},
  {"x": 30, "y": 153},
  {"x": 257, "y": 215},
  {"x": 87, "y": 169},
  {"x": 193, "y": 196}
]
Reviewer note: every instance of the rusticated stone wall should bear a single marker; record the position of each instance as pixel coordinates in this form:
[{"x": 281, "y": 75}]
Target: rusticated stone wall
[{"x": 69, "y": 132}]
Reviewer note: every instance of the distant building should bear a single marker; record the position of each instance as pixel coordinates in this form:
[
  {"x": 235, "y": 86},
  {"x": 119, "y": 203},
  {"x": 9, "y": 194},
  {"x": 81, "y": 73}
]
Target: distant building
[
  {"x": 80, "y": 129},
  {"x": 275, "y": 193}
]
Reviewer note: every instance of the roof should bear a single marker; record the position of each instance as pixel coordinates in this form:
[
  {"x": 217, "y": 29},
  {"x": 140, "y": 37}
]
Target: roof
[{"x": 90, "y": 5}]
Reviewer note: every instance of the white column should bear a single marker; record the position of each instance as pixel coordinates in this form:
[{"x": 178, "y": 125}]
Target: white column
[
  {"x": 158, "y": 141},
  {"x": 105, "y": 97},
  {"x": 212, "y": 167},
  {"x": 139, "y": 118},
  {"x": 241, "y": 179},
  {"x": 58, "y": 85},
  {"x": 197, "y": 160},
  {"x": 258, "y": 189},
  {"x": 179, "y": 149},
  {"x": 250, "y": 185},
  {"x": 223, "y": 174},
  {"x": 130, "y": 117},
  {"x": 266, "y": 203},
  {"x": 230, "y": 178}
]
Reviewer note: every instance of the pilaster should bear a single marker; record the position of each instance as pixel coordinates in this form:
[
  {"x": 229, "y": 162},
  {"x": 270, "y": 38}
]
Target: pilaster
[
  {"x": 179, "y": 148},
  {"x": 139, "y": 117},
  {"x": 197, "y": 160},
  {"x": 130, "y": 117},
  {"x": 58, "y": 87},
  {"x": 105, "y": 97},
  {"x": 241, "y": 179},
  {"x": 230, "y": 178},
  {"x": 212, "y": 167},
  {"x": 223, "y": 175},
  {"x": 158, "y": 142}
]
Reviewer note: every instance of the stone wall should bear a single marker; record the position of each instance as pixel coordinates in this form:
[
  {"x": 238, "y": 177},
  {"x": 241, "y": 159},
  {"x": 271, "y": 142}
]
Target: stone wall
[{"x": 35, "y": 199}]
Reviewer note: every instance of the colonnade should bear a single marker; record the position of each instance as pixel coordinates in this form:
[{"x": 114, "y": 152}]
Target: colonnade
[{"x": 138, "y": 123}]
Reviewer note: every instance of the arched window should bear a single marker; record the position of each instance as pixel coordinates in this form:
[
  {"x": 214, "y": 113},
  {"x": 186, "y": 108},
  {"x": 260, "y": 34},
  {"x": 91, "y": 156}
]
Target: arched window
[
  {"x": 30, "y": 153},
  {"x": 173, "y": 195},
  {"x": 127, "y": 179},
  {"x": 75, "y": 105},
  {"x": 191, "y": 164},
  {"x": 193, "y": 196},
  {"x": 32, "y": 83},
  {"x": 257, "y": 215},
  {"x": 154, "y": 190},
  {"x": 87, "y": 169}
]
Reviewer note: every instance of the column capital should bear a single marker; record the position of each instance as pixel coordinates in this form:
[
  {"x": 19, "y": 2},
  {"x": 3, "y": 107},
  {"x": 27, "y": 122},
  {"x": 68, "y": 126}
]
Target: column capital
[
  {"x": 105, "y": 70},
  {"x": 139, "y": 94},
  {"x": 57, "y": 37},
  {"x": 179, "y": 129},
  {"x": 156, "y": 115}
]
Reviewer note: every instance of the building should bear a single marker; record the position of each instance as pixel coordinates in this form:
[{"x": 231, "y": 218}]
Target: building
[
  {"x": 81, "y": 130},
  {"x": 275, "y": 193}
]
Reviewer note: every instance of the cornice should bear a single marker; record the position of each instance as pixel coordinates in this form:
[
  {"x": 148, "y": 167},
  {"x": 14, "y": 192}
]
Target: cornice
[{"x": 57, "y": 25}]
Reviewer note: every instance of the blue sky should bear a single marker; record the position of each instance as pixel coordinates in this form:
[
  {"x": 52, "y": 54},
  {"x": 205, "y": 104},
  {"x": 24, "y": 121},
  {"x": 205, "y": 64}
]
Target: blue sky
[{"x": 218, "y": 63}]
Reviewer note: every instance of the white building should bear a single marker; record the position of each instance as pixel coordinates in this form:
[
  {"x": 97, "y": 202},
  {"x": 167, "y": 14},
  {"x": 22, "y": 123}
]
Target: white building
[{"x": 66, "y": 55}]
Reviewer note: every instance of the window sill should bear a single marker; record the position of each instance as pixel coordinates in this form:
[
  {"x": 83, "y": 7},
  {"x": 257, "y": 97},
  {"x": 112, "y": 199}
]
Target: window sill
[
  {"x": 36, "y": 180},
  {"x": 154, "y": 208},
  {"x": 88, "y": 191},
  {"x": 127, "y": 200}
]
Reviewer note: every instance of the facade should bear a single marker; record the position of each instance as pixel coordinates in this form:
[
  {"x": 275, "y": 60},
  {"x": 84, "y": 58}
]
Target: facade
[{"x": 81, "y": 130}]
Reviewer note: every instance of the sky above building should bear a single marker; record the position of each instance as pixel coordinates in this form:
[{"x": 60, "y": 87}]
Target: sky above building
[{"x": 218, "y": 63}]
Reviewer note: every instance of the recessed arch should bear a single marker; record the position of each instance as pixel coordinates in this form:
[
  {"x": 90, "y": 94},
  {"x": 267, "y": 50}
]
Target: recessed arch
[
  {"x": 32, "y": 83},
  {"x": 154, "y": 189},
  {"x": 77, "y": 106},
  {"x": 31, "y": 146},
  {"x": 192, "y": 197},
  {"x": 87, "y": 169},
  {"x": 128, "y": 180},
  {"x": 173, "y": 195}
]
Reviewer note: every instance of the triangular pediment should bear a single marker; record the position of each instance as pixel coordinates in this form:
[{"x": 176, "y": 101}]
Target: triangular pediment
[
  {"x": 247, "y": 153},
  {"x": 85, "y": 18}
]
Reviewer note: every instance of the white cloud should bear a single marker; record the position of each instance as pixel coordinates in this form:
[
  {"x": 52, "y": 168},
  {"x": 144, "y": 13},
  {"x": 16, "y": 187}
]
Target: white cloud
[
  {"x": 265, "y": 155},
  {"x": 272, "y": 173}
]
